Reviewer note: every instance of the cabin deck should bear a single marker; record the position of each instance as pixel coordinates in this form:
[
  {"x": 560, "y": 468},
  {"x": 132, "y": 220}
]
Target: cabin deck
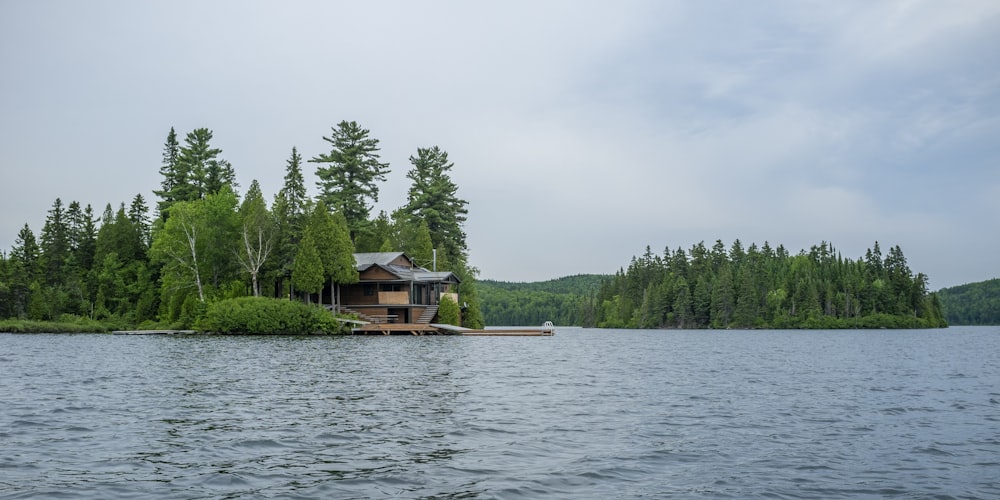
[
  {"x": 153, "y": 332},
  {"x": 442, "y": 329}
]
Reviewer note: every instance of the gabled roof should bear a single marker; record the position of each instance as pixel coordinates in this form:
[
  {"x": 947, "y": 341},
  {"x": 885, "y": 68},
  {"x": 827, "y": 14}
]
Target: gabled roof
[
  {"x": 366, "y": 260},
  {"x": 414, "y": 272}
]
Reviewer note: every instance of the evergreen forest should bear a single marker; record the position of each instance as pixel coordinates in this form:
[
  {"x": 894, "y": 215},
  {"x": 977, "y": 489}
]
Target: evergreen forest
[
  {"x": 972, "y": 303},
  {"x": 560, "y": 300},
  {"x": 764, "y": 287},
  {"x": 202, "y": 241},
  {"x": 736, "y": 287}
]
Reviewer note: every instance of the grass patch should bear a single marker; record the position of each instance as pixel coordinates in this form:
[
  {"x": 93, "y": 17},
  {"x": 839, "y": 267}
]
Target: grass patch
[{"x": 66, "y": 324}]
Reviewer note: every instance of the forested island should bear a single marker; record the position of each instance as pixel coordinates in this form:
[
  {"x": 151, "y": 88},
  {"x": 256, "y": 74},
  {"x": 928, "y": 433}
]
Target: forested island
[
  {"x": 210, "y": 258},
  {"x": 734, "y": 287}
]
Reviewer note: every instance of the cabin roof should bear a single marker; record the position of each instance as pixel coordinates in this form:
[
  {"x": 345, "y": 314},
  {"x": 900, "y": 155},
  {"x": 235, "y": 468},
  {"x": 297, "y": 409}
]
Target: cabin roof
[
  {"x": 366, "y": 260},
  {"x": 385, "y": 260}
]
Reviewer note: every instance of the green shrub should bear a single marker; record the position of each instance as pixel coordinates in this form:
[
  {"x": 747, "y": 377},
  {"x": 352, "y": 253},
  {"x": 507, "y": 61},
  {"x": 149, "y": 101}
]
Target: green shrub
[
  {"x": 448, "y": 311},
  {"x": 267, "y": 316}
]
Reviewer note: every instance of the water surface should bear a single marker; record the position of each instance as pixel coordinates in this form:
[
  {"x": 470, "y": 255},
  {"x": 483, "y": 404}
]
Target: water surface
[{"x": 582, "y": 414}]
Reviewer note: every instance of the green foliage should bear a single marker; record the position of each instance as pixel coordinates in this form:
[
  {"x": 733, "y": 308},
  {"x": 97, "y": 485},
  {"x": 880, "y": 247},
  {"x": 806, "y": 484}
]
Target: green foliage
[
  {"x": 421, "y": 249},
  {"x": 307, "y": 272},
  {"x": 972, "y": 303},
  {"x": 289, "y": 208},
  {"x": 330, "y": 235},
  {"x": 448, "y": 311},
  {"x": 561, "y": 301},
  {"x": 205, "y": 245},
  {"x": 267, "y": 316},
  {"x": 193, "y": 171},
  {"x": 64, "y": 324},
  {"x": 433, "y": 200},
  {"x": 197, "y": 247},
  {"x": 348, "y": 183},
  {"x": 761, "y": 287},
  {"x": 472, "y": 316},
  {"x": 257, "y": 231}
]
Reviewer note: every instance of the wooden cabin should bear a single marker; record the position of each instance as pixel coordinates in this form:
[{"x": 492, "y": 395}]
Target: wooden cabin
[{"x": 392, "y": 288}]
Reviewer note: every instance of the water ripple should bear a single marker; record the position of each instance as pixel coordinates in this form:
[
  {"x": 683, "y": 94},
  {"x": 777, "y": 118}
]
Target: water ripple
[{"x": 583, "y": 414}]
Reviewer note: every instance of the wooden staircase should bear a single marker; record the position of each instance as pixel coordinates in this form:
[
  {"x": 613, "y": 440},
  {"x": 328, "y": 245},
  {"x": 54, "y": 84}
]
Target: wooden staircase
[
  {"x": 362, "y": 317},
  {"x": 428, "y": 315}
]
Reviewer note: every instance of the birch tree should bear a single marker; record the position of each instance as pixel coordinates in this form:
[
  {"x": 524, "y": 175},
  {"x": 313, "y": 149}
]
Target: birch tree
[
  {"x": 256, "y": 235},
  {"x": 178, "y": 246}
]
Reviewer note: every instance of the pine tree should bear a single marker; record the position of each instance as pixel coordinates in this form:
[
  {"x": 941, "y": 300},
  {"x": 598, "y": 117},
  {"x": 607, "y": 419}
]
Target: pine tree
[
  {"x": 348, "y": 183},
  {"x": 433, "y": 199}
]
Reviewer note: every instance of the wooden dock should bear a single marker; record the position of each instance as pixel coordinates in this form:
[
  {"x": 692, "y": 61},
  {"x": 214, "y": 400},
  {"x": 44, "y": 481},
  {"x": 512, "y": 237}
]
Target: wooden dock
[
  {"x": 153, "y": 332},
  {"x": 442, "y": 329}
]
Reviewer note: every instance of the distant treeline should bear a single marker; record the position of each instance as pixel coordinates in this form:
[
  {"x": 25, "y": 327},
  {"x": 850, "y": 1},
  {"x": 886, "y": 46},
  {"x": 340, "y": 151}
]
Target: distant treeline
[
  {"x": 764, "y": 287},
  {"x": 972, "y": 304},
  {"x": 753, "y": 287},
  {"x": 521, "y": 304}
]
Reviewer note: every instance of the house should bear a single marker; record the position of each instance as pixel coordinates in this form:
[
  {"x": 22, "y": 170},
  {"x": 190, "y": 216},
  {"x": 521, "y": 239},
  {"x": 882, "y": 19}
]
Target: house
[{"x": 392, "y": 288}]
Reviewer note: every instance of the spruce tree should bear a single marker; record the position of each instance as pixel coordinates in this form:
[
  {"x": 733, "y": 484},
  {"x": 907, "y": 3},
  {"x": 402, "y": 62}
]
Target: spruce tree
[
  {"x": 198, "y": 172},
  {"x": 171, "y": 177},
  {"x": 24, "y": 269},
  {"x": 55, "y": 245},
  {"x": 290, "y": 206}
]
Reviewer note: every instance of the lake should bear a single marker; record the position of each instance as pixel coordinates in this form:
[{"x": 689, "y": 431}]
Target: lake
[{"x": 582, "y": 414}]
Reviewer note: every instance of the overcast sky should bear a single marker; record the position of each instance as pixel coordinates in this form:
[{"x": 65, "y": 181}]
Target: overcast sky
[{"x": 581, "y": 131}]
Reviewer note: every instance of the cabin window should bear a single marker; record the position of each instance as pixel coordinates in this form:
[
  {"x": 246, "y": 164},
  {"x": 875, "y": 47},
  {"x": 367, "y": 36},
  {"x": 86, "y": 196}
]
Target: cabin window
[{"x": 369, "y": 290}]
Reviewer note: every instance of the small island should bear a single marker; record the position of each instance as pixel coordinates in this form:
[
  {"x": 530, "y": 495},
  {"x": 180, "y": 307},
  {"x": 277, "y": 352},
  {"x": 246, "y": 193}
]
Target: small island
[{"x": 206, "y": 258}]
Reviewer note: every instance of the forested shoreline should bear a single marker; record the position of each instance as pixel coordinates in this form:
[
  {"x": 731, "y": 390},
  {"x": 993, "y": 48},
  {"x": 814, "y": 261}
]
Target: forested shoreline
[
  {"x": 204, "y": 243},
  {"x": 531, "y": 304},
  {"x": 972, "y": 303},
  {"x": 765, "y": 287},
  {"x": 734, "y": 287}
]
